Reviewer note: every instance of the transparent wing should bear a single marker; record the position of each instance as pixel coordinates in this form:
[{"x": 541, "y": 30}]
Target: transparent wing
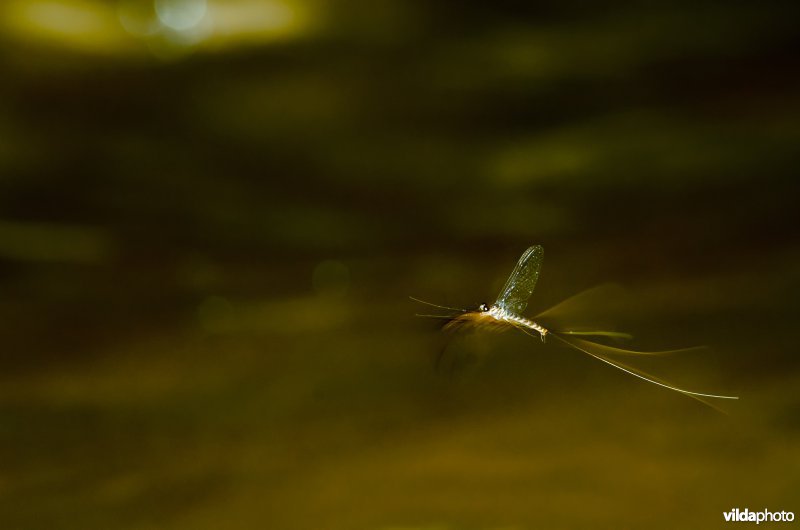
[
  {"x": 519, "y": 287},
  {"x": 593, "y": 312}
]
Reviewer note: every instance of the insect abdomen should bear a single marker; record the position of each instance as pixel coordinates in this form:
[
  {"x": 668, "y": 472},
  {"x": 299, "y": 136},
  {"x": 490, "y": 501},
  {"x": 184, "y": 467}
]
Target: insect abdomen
[
  {"x": 531, "y": 324},
  {"x": 502, "y": 314}
]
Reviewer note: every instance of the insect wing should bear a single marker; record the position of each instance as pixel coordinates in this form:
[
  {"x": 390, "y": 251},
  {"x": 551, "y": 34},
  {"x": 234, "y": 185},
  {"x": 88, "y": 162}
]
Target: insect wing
[{"x": 519, "y": 287}]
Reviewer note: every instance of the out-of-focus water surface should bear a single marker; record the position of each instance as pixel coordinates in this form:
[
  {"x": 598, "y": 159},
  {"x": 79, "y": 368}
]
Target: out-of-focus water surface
[{"x": 212, "y": 215}]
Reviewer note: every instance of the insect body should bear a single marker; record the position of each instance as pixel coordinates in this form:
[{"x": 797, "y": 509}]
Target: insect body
[
  {"x": 494, "y": 317},
  {"x": 506, "y": 313}
]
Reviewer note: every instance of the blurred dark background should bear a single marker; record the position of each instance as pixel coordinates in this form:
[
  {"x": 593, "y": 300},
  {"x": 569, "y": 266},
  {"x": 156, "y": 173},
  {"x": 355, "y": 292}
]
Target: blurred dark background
[{"x": 212, "y": 215}]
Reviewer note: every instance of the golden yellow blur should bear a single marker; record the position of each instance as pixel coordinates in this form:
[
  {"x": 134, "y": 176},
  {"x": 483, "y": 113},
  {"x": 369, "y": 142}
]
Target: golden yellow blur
[
  {"x": 82, "y": 25},
  {"x": 132, "y": 27},
  {"x": 213, "y": 213}
]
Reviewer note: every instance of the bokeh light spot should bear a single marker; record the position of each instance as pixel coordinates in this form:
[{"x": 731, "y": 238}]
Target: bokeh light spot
[{"x": 180, "y": 15}]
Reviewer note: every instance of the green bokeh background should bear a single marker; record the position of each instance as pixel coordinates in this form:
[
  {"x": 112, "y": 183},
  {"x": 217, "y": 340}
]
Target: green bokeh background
[{"x": 207, "y": 248}]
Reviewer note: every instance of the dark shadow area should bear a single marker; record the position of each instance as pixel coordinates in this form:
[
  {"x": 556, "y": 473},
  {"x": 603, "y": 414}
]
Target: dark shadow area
[{"x": 212, "y": 215}]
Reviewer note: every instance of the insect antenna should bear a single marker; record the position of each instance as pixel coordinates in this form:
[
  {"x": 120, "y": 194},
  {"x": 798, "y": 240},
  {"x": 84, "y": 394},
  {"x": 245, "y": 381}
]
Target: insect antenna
[{"x": 439, "y": 306}]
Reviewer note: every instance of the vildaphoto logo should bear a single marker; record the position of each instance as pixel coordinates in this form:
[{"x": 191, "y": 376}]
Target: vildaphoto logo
[{"x": 746, "y": 516}]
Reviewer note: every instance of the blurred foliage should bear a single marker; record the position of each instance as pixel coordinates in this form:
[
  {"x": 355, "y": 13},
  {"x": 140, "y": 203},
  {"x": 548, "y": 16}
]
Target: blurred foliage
[{"x": 212, "y": 214}]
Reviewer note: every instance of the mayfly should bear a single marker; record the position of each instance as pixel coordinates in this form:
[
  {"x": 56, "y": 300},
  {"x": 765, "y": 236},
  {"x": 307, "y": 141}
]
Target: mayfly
[{"x": 507, "y": 313}]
